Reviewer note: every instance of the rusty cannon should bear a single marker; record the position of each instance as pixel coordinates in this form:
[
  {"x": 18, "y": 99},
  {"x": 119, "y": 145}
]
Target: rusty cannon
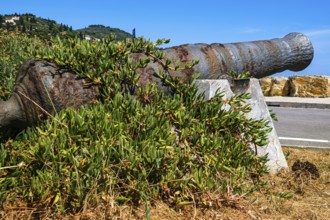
[
  {"x": 43, "y": 87},
  {"x": 261, "y": 58}
]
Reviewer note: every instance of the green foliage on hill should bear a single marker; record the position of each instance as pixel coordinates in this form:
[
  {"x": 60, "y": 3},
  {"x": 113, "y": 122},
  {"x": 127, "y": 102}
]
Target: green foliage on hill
[
  {"x": 137, "y": 144},
  {"x": 32, "y": 25},
  {"x": 101, "y": 31},
  {"x": 47, "y": 28}
]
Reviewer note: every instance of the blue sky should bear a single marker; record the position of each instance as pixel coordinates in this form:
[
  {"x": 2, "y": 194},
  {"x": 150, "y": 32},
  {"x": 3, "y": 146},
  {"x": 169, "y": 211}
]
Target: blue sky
[{"x": 192, "y": 21}]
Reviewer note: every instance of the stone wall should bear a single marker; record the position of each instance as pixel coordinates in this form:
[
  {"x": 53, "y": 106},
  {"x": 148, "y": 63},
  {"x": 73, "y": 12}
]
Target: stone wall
[{"x": 296, "y": 86}]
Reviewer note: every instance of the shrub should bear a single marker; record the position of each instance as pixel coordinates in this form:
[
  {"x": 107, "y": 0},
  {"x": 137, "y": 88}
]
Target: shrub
[
  {"x": 137, "y": 144},
  {"x": 13, "y": 52}
]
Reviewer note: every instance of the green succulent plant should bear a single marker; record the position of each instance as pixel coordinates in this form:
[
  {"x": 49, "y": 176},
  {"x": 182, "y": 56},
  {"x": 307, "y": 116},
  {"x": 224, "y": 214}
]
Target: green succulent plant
[{"x": 137, "y": 144}]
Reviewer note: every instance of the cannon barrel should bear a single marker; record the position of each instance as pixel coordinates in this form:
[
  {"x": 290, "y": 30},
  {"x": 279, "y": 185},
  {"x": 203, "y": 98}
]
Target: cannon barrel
[
  {"x": 261, "y": 58},
  {"x": 43, "y": 87}
]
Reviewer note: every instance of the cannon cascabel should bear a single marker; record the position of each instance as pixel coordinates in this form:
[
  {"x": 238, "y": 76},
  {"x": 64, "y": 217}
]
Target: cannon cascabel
[{"x": 42, "y": 86}]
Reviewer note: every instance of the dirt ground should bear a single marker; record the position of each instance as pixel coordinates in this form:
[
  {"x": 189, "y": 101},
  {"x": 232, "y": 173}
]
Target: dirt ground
[{"x": 302, "y": 194}]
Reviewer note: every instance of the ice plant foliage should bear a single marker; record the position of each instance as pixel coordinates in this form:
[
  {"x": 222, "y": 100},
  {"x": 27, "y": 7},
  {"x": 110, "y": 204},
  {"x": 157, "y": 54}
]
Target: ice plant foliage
[{"x": 137, "y": 144}]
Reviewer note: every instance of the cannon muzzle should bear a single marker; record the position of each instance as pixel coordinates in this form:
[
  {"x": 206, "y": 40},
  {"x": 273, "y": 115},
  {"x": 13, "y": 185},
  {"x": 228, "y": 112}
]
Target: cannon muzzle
[{"x": 261, "y": 58}]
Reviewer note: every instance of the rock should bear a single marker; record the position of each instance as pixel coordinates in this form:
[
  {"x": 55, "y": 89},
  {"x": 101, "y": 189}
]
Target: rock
[
  {"x": 309, "y": 86},
  {"x": 266, "y": 85},
  {"x": 280, "y": 87},
  {"x": 296, "y": 86},
  {"x": 275, "y": 86},
  {"x": 328, "y": 93}
]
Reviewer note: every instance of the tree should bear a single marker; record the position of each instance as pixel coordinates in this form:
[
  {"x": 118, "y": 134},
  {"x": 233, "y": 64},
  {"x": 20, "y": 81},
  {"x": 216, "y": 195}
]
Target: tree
[
  {"x": 21, "y": 21},
  {"x": 81, "y": 35},
  {"x": 51, "y": 26},
  {"x": 8, "y": 26},
  {"x": 1, "y": 21},
  {"x": 23, "y": 28},
  {"x": 33, "y": 19}
]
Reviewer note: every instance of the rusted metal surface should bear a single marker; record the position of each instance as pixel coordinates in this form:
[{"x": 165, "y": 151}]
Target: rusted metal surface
[
  {"x": 261, "y": 58},
  {"x": 42, "y": 87}
]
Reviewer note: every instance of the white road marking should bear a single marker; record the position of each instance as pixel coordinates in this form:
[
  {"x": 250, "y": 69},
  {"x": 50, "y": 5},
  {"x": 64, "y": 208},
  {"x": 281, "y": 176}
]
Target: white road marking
[{"x": 304, "y": 139}]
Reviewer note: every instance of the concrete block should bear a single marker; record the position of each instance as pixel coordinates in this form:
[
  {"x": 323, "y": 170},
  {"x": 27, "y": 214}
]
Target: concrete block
[
  {"x": 210, "y": 87},
  {"x": 259, "y": 111}
]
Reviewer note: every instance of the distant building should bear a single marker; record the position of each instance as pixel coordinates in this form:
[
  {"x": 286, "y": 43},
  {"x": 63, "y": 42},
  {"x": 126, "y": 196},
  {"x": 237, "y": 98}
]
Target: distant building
[
  {"x": 12, "y": 20},
  {"x": 87, "y": 37}
]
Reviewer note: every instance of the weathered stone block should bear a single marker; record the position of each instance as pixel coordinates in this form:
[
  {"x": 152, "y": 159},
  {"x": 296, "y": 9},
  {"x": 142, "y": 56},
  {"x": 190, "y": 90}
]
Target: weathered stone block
[
  {"x": 328, "y": 93},
  {"x": 266, "y": 85},
  {"x": 279, "y": 87},
  {"x": 309, "y": 86}
]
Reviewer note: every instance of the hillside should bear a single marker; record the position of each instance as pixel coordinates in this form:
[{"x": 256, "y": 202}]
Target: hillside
[
  {"x": 101, "y": 31},
  {"x": 32, "y": 25},
  {"x": 45, "y": 28}
]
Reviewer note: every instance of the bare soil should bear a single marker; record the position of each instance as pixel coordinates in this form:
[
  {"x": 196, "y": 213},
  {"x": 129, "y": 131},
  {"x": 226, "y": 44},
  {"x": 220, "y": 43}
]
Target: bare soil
[{"x": 300, "y": 194}]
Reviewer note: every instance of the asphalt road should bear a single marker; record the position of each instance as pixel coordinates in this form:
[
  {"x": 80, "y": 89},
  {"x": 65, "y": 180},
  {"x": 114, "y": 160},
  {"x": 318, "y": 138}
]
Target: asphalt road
[{"x": 303, "y": 127}]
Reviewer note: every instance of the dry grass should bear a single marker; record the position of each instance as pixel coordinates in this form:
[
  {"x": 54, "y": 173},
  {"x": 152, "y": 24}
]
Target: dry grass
[{"x": 288, "y": 195}]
